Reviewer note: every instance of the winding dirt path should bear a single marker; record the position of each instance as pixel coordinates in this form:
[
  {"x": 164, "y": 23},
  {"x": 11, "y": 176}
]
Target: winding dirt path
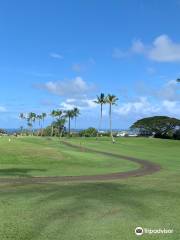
[{"x": 146, "y": 168}]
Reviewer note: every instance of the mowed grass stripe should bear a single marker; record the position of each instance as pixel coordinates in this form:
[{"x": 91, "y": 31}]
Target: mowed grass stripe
[{"x": 30, "y": 157}]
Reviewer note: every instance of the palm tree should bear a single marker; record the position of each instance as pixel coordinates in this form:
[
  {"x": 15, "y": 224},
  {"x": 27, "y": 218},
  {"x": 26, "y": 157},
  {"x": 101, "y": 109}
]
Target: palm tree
[
  {"x": 29, "y": 125},
  {"x": 22, "y": 117},
  {"x": 69, "y": 114},
  {"x": 53, "y": 115},
  {"x": 76, "y": 114},
  {"x": 111, "y": 100},
  {"x": 59, "y": 116},
  {"x": 43, "y": 115},
  {"x": 31, "y": 119},
  {"x": 39, "y": 118},
  {"x": 100, "y": 100},
  {"x": 60, "y": 124}
]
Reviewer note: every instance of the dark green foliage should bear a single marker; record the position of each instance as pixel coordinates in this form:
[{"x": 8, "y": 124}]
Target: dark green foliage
[
  {"x": 176, "y": 135},
  {"x": 159, "y": 126},
  {"x": 2, "y": 131},
  {"x": 89, "y": 132}
]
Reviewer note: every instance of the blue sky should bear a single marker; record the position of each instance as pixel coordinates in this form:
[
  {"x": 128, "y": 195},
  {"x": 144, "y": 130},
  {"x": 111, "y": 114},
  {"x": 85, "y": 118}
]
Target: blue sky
[{"x": 60, "y": 54}]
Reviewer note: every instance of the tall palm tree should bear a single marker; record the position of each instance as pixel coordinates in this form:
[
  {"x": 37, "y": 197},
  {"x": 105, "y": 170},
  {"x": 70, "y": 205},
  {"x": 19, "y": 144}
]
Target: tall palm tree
[
  {"x": 22, "y": 117},
  {"x": 76, "y": 114},
  {"x": 39, "y": 118},
  {"x": 111, "y": 100},
  {"x": 43, "y": 115},
  {"x": 53, "y": 115},
  {"x": 29, "y": 124},
  {"x": 70, "y": 115},
  {"x": 59, "y": 116},
  {"x": 101, "y": 99},
  {"x": 60, "y": 124},
  {"x": 31, "y": 119}
]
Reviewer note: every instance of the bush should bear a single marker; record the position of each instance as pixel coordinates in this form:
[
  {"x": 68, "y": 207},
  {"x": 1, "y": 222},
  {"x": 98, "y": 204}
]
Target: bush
[{"x": 89, "y": 132}]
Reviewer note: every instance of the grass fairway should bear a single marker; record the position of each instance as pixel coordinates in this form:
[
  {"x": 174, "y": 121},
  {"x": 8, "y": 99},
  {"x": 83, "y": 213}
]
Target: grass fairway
[
  {"x": 108, "y": 210},
  {"x": 27, "y": 157}
]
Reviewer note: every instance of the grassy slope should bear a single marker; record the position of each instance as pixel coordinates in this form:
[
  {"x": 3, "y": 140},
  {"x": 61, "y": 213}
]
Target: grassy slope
[
  {"x": 161, "y": 151},
  {"x": 98, "y": 211},
  {"x": 25, "y": 157}
]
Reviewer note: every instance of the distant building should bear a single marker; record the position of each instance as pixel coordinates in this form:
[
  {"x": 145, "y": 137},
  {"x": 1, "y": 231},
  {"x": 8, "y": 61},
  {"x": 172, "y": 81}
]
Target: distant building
[
  {"x": 126, "y": 134},
  {"x": 122, "y": 134}
]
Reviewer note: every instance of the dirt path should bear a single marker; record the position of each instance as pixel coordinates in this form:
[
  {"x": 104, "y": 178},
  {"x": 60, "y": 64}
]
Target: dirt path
[{"x": 146, "y": 168}]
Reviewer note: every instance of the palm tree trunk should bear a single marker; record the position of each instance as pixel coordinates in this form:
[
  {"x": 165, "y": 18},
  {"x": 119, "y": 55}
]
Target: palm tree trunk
[
  {"x": 75, "y": 121},
  {"x": 61, "y": 133},
  {"x": 100, "y": 119},
  {"x": 110, "y": 122},
  {"x": 52, "y": 130},
  {"x": 38, "y": 129},
  {"x": 69, "y": 126},
  {"x": 42, "y": 127},
  {"x": 41, "y": 130},
  {"x": 100, "y": 122}
]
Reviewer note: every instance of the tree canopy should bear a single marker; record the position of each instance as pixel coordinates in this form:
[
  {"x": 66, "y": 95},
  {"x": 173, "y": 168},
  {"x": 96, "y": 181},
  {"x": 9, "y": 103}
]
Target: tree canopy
[{"x": 157, "y": 125}]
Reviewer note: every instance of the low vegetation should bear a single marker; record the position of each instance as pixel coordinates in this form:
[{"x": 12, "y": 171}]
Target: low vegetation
[{"x": 101, "y": 210}]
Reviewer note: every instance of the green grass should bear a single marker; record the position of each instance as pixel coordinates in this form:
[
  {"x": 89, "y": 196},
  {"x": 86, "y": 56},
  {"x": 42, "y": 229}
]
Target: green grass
[
  {"x": 99, "y": 210},
  {"x": 26, "y": 157}
]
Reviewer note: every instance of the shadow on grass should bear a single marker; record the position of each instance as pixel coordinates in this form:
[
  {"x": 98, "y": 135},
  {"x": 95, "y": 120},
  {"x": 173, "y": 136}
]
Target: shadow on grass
[
  {"x": 18, "y": 172},
  {"x": 64, "y": 204}
]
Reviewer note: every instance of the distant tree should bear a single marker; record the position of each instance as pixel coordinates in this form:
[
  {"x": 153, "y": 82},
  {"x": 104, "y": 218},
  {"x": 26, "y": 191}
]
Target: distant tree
[
  {"x": 2, "y": 131},
  {"x": 22, "y": 117},
  {"x": 159, "y": 126},
  {"x": 60, "y": 124},
  {"x": 89, "y": 132},
  {"x": 31, "y": 118},
  {"x": 70, "y": 115},
  {"x": 53, "y": 115},
  {"x": 43, "y": 115},
  {"x": 101, "y": 100},
  {"x": 39, "y": 118},
  {"x": 76, "y": 114},
  {"x": 29, "y": 124},
  {"x": 111, "y": 100}
]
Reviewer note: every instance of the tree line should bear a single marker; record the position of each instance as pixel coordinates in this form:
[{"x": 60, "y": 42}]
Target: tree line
[{"x": 60, "y": 117}]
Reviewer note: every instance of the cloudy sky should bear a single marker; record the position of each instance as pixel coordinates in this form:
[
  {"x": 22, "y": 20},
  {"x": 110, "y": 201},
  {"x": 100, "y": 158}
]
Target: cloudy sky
[{"x": 61, "y": 54}]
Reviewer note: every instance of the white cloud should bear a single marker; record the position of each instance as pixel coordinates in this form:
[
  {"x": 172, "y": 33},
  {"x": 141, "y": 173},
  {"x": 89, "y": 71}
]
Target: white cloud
[
  {"x": 163, "y": 49},
  {"x": 69, "y": 88},
  {"x": 82, "y": 103},
  {"x": 2, "y": 109},
  {"x": 56, "y": 55},
  {"x": 172, "y": 107},
  {"x": 138, "y": 47},
  {"x": 139, "y": 107},
  {"x": 170, "y": 91}
]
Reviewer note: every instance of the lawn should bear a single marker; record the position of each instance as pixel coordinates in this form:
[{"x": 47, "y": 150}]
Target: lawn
[
  {"x": 108, "y": 210},
  {"x": 27, "y": 157}
]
